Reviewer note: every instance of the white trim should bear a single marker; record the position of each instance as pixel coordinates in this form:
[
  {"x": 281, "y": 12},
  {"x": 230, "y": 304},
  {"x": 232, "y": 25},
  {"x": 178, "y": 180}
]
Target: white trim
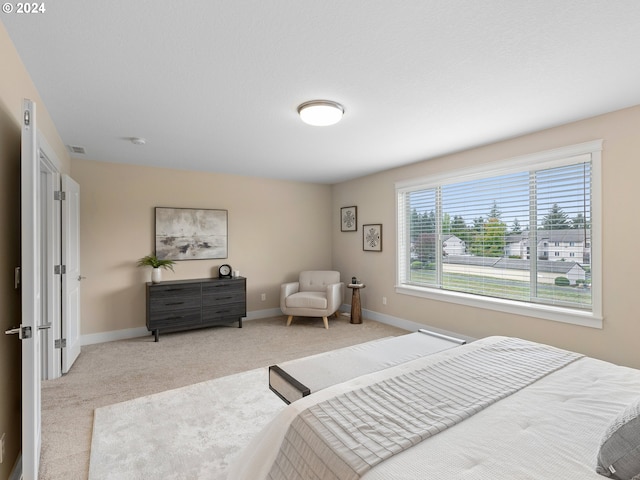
[
  {"x": 596, "y": 235},
  {"x": 128, "y": 333},
  {"x": 266, "y": 313},
  {"x": 546, "y": 312},
  {"x": 523, "y": 163},
  {"x": 49, "y": 152},
  {"x": 113, "y": 335},
  {"x": 409, "y": 325},
  {"x": 550, "y": 158}
]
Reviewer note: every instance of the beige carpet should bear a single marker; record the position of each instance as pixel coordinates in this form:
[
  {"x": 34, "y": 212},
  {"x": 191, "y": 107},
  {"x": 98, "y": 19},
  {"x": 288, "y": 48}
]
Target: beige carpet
[
  {"x": 109, "y": 373},
  {"x": 187, "y": 433}
]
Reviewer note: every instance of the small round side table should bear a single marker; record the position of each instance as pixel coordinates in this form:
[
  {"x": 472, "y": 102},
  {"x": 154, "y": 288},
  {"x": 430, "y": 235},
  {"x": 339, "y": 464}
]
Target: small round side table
[{"x": 356, "y": 308}]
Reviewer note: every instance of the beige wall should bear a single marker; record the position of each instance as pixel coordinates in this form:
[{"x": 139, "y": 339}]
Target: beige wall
[
  {"x": 276, "y": 229},
  {"x": 617, "y": 341},
  {"x": 15, "y": 84}
]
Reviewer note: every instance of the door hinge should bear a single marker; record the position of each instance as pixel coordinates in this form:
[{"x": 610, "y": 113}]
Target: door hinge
[
  {"x": 60, "y": 269},
  {"x": 59, "y": 195},
  {"x": 60, "y": 343}
]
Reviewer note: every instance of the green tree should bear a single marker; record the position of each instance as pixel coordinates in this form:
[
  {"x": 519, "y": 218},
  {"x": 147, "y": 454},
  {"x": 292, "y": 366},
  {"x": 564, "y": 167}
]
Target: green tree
[
  {"x": 429, "y": 222},
  {"x": 491, "y": 241},
  {"x": 556, "y": 219},
  {"x": 495, "y": 211},
  {"x": 446, "y": 224},
  {"x": 425, "y": 247},
  {"x": 578, "y": 222},
  {"x": 516, "y": 226},
  {"x": 459, "y": 229},
  {"x": 422, "y": 223}
]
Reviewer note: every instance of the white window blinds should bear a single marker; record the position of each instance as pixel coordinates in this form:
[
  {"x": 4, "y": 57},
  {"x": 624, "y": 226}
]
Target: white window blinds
[{"x": 519, "y": 232}]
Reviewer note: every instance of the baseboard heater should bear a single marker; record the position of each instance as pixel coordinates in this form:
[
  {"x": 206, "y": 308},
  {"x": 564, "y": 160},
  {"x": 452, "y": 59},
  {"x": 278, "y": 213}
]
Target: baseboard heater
[{"x": 298, "y": 378}]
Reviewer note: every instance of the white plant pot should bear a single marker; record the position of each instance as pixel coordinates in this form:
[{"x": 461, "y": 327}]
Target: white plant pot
[{"x": 156, "y": 275}]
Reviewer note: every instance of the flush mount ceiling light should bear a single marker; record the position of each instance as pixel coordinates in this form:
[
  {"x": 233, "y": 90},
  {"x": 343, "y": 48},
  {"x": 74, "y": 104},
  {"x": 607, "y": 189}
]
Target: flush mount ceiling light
[
  {"x": 138, "y": 140},
  {"x": 320, "y": 113}
]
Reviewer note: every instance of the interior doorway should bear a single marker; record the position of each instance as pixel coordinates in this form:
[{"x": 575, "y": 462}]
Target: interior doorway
[
  {"x": 51, "y": 286},
  {"x": 58, "y": 220}
]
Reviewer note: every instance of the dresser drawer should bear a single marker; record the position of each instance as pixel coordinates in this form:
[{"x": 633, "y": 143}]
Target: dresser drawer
[
  {"x": 223, "y": 297},
  {"x": 169, "y": 298},
  {"x": 175, "y": 319},
  {"x": 230, "y": 310}
]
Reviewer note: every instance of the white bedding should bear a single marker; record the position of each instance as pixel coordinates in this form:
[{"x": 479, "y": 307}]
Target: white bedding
[{"x": 549, "y": 430}]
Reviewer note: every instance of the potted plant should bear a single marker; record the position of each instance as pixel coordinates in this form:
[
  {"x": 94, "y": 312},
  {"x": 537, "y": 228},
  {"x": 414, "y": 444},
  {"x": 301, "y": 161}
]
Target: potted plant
[{"x": 156, "y": 263}]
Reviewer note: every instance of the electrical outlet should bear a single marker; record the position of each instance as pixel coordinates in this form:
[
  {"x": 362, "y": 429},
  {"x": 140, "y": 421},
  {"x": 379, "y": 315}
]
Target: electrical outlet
[
  {"x": 263, "y": 297},
  {"x": 2, "y": 452},
  {"x": 384, "y": 300}
]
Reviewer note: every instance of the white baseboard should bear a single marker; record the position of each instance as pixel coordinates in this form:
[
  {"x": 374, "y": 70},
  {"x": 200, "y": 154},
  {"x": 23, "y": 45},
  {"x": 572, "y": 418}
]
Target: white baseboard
[
  {"x": 267, "y": 313},
  {"x": 274, "y": 312},
  {"x": 406, "y": 324},
  {"x": 113, "y": 335},
  {"x": 127, "y": 333}
]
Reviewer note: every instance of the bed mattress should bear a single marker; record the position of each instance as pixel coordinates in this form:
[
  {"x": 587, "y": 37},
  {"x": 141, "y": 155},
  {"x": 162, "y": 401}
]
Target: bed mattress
[
  {"x": 298, "y": 378},
  {"x": 550, "y": 429}
]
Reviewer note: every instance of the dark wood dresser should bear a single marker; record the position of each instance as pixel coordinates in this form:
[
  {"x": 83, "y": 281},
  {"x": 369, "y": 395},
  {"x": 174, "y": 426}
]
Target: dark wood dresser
[{"x": 188, "y": 304}]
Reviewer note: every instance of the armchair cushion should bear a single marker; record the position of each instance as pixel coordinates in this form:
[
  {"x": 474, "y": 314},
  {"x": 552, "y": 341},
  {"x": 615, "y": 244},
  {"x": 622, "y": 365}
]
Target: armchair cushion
[
  {"x": 307, "y": 300},
  {"x": 317, "y": 280}
]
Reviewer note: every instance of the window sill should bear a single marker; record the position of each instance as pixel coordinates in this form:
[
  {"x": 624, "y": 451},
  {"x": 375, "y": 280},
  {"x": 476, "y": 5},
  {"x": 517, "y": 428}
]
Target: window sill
[{"x": 546, "y": 312}]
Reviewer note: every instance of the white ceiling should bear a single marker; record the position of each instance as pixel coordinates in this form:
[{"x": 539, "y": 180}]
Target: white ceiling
[{"x": 214, "y": 85}]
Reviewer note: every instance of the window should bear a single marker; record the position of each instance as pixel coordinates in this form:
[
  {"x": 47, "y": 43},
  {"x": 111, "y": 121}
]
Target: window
[{"x": 480, "y": 237}]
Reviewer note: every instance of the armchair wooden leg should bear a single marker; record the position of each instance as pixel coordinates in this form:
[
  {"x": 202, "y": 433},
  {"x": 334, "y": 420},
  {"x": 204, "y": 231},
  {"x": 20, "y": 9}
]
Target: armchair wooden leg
[
  {"x": 289, "y": 320},
  {"x": 326, "y": 322}
]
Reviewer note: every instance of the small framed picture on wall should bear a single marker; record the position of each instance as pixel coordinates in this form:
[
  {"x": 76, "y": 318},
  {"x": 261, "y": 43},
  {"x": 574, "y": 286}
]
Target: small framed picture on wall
[
  {"x": 349, "y": 219},
  {"x": 372, "y": 237}
]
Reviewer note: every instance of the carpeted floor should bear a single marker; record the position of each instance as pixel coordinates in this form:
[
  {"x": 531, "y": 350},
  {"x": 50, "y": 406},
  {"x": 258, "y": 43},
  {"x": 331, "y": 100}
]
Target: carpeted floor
[
  {"x": 114, "y": 372},
  {"x": 186, "y": 433}
]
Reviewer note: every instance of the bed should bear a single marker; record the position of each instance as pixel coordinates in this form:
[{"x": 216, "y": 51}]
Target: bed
[{"x": 497, "y": 408}]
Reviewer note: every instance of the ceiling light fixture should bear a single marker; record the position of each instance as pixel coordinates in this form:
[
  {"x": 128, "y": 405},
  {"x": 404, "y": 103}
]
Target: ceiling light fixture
[
  {"x": 138, "y": 140},
  {"x": 320, "y": 113}
]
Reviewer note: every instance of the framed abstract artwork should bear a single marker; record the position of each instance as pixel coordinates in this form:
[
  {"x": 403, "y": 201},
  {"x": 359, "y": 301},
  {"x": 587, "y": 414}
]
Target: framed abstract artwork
[
  {"x": 349, "y": 219},
  {"x": 190, "y": 233},
  {"x": 372, "y": 237}
]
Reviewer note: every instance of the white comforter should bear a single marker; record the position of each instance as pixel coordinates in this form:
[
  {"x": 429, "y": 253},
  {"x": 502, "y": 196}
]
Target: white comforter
[{"x": 549, "y": 430}]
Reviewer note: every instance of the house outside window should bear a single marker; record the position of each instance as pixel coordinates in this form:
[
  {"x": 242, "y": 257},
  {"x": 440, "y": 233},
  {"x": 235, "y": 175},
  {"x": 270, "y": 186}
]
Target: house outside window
[{"x": 502, "y": 219}]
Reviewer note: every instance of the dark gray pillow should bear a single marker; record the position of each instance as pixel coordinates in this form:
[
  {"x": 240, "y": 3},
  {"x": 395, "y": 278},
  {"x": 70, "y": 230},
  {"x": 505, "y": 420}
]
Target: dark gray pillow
[{"x": 619, "y": 454}]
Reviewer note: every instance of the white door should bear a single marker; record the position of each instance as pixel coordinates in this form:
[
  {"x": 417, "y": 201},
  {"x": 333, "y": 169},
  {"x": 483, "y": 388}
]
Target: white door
[
  {"x": 71, "y": 278},
  {"x": 51, "y": 284},
  {"x": 30, "y": 268}
]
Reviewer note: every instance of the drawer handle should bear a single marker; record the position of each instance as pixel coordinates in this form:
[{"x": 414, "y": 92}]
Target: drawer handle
[
  {"x": 176, "y": 318},
  {"x": 223, "y": 311},
  {"x": 175, "y": 303}
]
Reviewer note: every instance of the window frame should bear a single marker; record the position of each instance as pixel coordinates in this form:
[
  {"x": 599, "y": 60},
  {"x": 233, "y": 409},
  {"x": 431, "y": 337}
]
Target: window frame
[{"x": 547, "y": 159}]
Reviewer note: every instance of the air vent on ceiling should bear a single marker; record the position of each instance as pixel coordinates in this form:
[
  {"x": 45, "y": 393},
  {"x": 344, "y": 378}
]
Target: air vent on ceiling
[{"x": 78, "y": 150}]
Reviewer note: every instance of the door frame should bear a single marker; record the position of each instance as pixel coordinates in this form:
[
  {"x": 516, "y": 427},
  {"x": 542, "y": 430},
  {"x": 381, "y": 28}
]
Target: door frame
[
  {"x": 51, "y": 289},
  {"x": 30, "y": 319}
]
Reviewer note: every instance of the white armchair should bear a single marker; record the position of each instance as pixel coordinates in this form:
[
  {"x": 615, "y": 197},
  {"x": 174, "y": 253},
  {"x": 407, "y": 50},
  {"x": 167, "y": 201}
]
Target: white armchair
[{"x": 317, "y": 293}]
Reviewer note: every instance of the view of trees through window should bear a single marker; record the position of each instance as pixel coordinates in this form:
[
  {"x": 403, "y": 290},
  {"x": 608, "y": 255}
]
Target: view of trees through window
[{"x": 477, "y": 236}]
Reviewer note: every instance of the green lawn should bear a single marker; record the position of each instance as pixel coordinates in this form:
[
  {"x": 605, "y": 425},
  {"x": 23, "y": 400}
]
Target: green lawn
[{"x": 511, "y": 289}]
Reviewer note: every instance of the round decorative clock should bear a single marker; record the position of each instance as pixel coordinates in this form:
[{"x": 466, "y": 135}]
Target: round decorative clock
[{"x": 224, "y": 271}]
